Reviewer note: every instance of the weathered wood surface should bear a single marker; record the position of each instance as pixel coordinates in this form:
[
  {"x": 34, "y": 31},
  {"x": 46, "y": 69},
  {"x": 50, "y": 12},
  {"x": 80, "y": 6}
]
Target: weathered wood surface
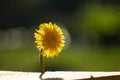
[{"x": 59, "y": 75}]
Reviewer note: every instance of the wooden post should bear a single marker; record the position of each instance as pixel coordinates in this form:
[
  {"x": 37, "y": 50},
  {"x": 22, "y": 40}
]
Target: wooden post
[{"x": 59, "y": 75}]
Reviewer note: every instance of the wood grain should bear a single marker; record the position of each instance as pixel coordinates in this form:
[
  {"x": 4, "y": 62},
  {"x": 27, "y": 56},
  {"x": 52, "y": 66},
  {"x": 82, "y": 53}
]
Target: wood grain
[{"x": 59, "y": 75}]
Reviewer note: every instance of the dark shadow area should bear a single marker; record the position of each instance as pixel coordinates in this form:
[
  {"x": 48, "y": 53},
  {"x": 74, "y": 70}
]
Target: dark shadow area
[
  {"x": 53, "y": 79},
  {"x": 117, "y": 77}
]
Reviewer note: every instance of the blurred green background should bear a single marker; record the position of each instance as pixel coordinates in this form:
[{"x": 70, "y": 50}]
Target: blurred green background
[{"x": 92, "y": 29}]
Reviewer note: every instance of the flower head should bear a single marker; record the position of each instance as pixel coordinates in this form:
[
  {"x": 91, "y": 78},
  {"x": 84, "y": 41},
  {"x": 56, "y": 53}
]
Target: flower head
[{"x": 50, "y": 39}]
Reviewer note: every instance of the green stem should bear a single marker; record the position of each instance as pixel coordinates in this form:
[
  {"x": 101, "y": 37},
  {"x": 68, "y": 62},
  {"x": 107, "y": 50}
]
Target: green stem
[{"x": 41, "y": 65}]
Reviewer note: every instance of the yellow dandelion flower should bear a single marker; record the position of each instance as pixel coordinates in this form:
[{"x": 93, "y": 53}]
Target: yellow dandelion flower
[{"x": 50, "y": 39}]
